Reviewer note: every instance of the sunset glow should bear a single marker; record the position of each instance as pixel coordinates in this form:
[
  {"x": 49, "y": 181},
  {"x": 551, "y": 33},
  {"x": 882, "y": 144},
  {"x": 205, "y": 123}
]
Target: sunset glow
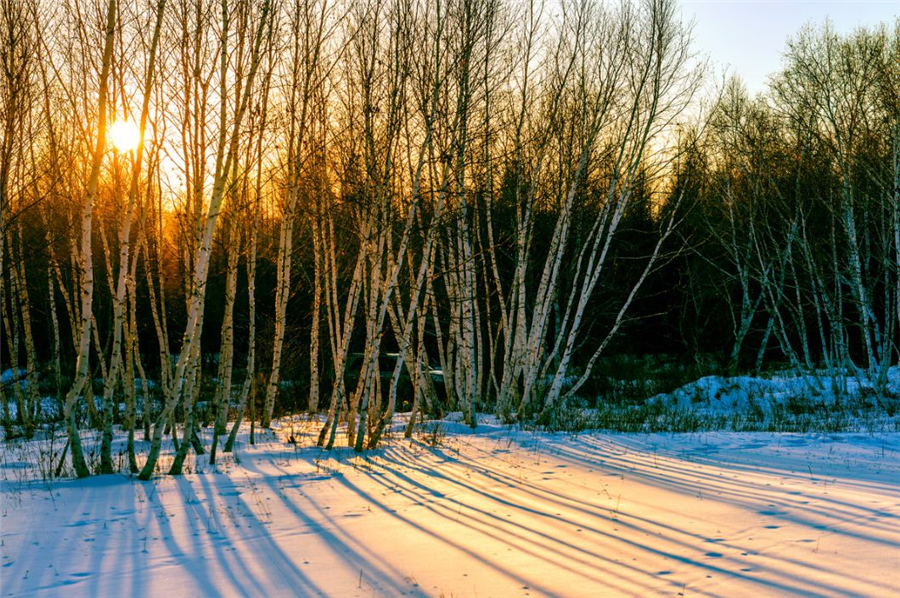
[
  {"x": 530, "y": 299},
  {"x": 124, "y": 135}
]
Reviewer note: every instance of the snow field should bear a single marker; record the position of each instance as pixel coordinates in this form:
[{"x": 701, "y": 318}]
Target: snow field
[{"x": 497, "y": 513}]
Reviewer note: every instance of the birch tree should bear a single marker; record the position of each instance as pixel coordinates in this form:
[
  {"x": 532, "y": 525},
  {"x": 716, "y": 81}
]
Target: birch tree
[
  {"x": 309, "y": 24},
  {"x": 227, "y": 148}
]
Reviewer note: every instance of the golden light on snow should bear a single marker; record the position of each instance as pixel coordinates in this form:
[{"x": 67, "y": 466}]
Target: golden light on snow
[{"x": 124, "y": 135}]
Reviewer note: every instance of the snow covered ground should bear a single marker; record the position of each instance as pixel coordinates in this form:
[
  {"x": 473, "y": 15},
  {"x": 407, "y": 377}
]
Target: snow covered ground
[
  {"x": 498, "y": 513},
  {"x": 846, "y": 398}
]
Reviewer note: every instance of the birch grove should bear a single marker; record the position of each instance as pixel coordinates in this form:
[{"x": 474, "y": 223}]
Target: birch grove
[{"x": 215, "y": 213}]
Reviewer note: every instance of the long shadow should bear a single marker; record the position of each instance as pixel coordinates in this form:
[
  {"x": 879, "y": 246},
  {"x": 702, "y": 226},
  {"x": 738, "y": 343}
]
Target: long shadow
[
  {"x": 443, "y": 538},
  {"x": 272, "y": 557},
  {"x": 749, "y": 495},
  {"x": 511, "y": 533},
  {"x": 501, "y": 530},
  {"x": 356, "y": 555},
  {"x": 236, "y": 572},
  {"x": 646, "y": 548},
  {"x": 684, "y": 477},
  {"x": 244, "y": 532},
  {"x": 732, "y": 490},
  {"x": 675, "y": 478},
  {"x": 492, "y": 476},
  {"x": 310, "y": 455},
  {"x": 99, "y": 519}
]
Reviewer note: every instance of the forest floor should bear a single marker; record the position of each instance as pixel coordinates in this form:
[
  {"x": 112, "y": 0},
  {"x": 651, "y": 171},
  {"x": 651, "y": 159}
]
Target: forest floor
[{"x": 496, "y": 513}]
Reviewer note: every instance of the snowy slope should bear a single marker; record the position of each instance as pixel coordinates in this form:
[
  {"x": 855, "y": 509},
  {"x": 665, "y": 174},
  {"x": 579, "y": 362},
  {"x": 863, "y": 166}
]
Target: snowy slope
[{"x": 786, "y": 401}]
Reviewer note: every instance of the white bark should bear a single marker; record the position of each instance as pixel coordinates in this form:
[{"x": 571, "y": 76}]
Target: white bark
[
  {"x": 226, "y": 154},
  {"x": 87, "y": 268}
]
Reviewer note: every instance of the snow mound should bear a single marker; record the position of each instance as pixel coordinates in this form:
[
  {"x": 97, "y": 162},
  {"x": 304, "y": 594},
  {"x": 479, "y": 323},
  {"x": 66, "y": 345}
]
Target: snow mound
[{"x": 718, "y": 395}]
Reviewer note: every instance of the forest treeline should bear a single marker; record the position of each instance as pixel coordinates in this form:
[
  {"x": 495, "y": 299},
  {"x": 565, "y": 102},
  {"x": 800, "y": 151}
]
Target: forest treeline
[{"x": 363, "y": 206}]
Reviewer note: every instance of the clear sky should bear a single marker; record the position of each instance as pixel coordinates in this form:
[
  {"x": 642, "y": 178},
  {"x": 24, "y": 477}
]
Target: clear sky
[{"x": 748, "y": 36}]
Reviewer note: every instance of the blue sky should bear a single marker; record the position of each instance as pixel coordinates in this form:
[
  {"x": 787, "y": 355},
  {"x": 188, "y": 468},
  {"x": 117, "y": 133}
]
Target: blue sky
[{"x": 748, "y": 36}]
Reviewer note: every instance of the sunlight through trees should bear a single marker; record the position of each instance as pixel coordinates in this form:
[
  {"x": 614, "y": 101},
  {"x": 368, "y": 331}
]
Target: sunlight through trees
[{"x": 218, "y": 211}]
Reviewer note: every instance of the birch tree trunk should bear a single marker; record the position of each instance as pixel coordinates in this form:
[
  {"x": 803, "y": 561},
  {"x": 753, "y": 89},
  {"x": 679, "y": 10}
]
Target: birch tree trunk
[
  {"x": 87, "y": 269},
  {"x": 308, "y": 28},
  {"x": 247, "y": 387},
  {"x": 112, "y": 374},
  {"x": 225, "y": 156},
  {"x": 223, "y": 393}
]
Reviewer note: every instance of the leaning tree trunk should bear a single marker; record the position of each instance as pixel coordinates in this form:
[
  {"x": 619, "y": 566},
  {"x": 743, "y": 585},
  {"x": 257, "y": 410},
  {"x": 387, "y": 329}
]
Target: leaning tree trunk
[
  {"x": 223, "y": 170},
  {"x": 125, "y": 254},
  {"x": 31, "y": 363},
  {"x": 87, "y": 269},
  {"x": 251, "y": 342},
  {"x": 227, "y": 354},
  {"x": 313, "y": 405},
  {"x": 282, "y": 295}
]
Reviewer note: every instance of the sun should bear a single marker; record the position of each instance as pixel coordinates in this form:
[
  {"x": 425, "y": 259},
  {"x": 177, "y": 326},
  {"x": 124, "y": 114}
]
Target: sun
[{"x": 124, "y": 135}]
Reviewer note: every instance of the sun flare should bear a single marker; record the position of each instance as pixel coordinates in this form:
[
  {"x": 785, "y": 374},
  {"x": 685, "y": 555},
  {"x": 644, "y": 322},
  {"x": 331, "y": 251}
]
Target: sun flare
[{"x": 124, "y": 135}]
